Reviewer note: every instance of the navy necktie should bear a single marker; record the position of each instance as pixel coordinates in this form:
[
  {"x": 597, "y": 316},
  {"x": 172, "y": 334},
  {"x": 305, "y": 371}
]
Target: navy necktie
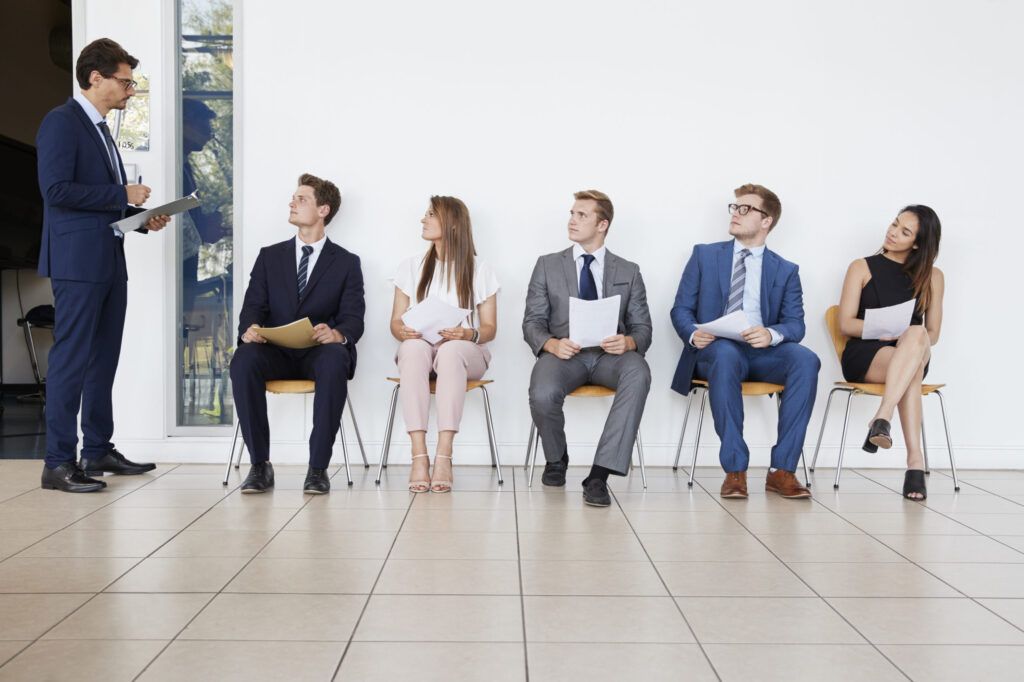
[
  {"x": 588, "y": 287},
  {"x": 304, "y": 267},
  {"x": 108, "y": 140}
]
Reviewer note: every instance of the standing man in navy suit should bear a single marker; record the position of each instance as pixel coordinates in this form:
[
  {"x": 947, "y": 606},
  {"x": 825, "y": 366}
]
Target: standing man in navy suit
[
  {"x": 84, "y": 190},
  {"x": 742, "y": 274},
  {"x": 305, "y": 276}
]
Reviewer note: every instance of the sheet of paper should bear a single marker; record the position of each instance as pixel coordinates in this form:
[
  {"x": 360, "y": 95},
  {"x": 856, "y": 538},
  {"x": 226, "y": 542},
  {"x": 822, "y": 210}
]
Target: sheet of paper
[
  {"x": 298, "y": 334},
  {"x": 132, "y": 223},
  {"x": 888, "y": 322},
  {"x": 431, "y": 315},
  {"x": 730, "y": 326},
  {"x": 591, "y": 322}
]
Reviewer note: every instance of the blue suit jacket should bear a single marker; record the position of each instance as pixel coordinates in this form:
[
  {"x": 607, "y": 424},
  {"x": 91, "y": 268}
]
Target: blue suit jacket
[
  {"x": 333, "y": 293},
  {"x": 81, "y": 197},
  {"x": 704, "y": 291}
]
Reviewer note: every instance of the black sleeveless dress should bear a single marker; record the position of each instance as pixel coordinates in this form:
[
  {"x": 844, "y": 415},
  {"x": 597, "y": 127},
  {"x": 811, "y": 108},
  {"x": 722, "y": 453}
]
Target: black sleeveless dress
[{"x": 889, "y": 285}]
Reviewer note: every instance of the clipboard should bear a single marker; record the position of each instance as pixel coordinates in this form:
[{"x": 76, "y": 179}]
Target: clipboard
[{"x": 132, "y": 223}]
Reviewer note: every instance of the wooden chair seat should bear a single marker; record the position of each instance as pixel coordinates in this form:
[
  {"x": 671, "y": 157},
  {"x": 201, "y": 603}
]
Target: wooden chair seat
[
  {"x": 752, "y": 388},
  {"x": 879, "y": 389},
  {"x": 290, "y": 386},
  {"x": 592, "y": 391},
  {"x": 470, "y": 385}
]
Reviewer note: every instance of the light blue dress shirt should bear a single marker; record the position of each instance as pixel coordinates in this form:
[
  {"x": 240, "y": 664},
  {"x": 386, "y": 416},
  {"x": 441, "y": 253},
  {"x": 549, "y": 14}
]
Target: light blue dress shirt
[
  {"x": 752, "y": 286},
  {"x": 96, "y": 118}
]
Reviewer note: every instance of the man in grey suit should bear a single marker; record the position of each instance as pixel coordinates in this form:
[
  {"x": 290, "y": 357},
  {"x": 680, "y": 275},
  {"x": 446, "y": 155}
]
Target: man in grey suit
[{"x": 589, "y": 271}]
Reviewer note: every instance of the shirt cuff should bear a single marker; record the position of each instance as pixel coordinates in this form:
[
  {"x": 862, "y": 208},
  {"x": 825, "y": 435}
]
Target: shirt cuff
[
  {"x": 690, "y": 340},
  {"x": 777, "y": 338}
]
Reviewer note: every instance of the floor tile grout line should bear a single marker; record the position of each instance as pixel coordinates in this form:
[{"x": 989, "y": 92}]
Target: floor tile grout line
[
  {"x": 366, "y": 603},
  {"x": 808, "y": 585},
  {"x": 94, "y": 594},
  {"x": 519, "y": 570},
  {"x": 675, "y": 602},
  {"x": 219, "y": 592}
]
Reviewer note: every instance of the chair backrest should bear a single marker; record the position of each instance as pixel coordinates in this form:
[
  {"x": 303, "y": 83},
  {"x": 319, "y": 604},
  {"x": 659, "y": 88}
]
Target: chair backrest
[{"x": 838, "y": 338}]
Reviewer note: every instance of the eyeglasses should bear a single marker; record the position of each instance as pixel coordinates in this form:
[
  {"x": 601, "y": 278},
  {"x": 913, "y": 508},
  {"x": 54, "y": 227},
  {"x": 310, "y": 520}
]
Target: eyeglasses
[
  {"x": 744, "y": 209},
  {"x": 126, "y": 83}
]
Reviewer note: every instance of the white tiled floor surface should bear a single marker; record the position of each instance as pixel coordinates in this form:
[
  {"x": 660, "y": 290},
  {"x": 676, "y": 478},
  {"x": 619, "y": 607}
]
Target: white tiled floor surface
[{"x": 170, "y": 576}]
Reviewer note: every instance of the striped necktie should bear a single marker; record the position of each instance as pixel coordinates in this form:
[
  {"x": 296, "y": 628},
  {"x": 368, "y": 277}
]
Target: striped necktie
[
  {"x": 304, "y": 267},
  {"x": 739, "y": 280}
]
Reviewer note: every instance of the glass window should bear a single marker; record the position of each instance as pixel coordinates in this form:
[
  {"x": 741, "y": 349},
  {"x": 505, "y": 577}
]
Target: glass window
[{"x": 205, "y": 256}]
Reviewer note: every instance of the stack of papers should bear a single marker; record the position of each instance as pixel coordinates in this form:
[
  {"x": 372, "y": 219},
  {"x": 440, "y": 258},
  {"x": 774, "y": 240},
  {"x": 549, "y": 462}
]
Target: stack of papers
[
  {"x": 888, "y": 322},
  {"x": 591, "y": 322},
  {"x": 730, "y": 326},
  {"x": 298, "y": 334},
  {"x": 431, "y": 315}
]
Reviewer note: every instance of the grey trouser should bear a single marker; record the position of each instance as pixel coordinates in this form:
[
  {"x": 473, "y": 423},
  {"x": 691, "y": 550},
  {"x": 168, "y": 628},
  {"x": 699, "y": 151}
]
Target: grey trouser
[{"x": 553, "y": 379}]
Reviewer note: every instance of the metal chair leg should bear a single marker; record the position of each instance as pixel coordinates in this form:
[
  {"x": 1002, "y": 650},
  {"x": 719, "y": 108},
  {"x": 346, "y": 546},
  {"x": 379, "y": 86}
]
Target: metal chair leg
[
  {"x": 355, "y": 426},
  {"x": 821, "y": 432},
  {"x": 495, "y": 458},
  {"x": 696, "y": 441},
  {"x": 640, "y": 454},
  {"x": 924, "y": 448},
  {"x": 842, "y": 441},
  {"x": 386, "y": 447},
  {"x": 533, "y": 460},
  {"x": 344, "y": 450},
  {"x": 686, "y": 418},
  {"x": 231, "y": 455},
  {"x": 949, "y": 442},
  {"x": 529, "y": 445}
]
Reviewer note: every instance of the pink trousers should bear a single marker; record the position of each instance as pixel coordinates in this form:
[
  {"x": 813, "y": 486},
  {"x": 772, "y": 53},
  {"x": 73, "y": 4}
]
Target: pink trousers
[{"x": 454, "y": 362}]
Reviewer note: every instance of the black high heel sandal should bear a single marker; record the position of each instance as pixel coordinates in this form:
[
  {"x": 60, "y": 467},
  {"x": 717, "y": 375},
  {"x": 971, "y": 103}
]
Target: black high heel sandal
[
  {"x": 878, "y": 436},
  {"x": 913, "y": 482}
]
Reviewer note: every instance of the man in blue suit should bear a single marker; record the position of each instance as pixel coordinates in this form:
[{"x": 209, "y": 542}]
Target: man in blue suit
[
  {"x": 305, "y": 276},
  {"x": 84, "y": 190},
  {"x": 742, "y": 274}
]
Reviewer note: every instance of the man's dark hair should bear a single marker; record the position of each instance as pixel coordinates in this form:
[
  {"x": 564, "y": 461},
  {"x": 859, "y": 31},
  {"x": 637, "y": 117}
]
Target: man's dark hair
[
  {"x": 103, "y": 55},
  {"x": 325, "y": 192}
]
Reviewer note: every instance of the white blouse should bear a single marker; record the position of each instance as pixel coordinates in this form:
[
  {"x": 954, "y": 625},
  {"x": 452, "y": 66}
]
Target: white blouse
[{"x": 407, "y": 278}]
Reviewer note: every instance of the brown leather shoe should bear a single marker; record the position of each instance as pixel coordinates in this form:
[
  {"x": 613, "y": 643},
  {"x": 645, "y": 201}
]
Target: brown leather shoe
[
  {"x": 735, "y": 485},
  {"x": 786, "y": 484}
]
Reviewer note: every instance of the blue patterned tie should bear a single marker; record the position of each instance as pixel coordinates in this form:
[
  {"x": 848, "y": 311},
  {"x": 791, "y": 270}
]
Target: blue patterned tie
[
  {"x": 303, "y": 267},
  {"x": 739, "y": 281},
  {"x": 588, "y": 288}
]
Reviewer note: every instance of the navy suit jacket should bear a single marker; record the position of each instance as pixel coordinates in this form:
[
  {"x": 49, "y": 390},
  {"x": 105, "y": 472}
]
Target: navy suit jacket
[
  {"x": 81, "y": 197},
  {"x": 333, "y": 294},
  {"x": 704, "y": 291}
]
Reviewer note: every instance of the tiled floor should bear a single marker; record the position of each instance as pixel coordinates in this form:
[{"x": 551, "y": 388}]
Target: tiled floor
[{"x": 170, "y": 576}]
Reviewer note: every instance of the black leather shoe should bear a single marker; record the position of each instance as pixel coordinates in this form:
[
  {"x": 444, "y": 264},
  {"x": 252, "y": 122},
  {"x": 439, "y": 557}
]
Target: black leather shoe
[
  {"x": 260, "y": 478},
  {"x": 317, "y": 482},
  {"x": 878, "y": 436},
  {"x": 70, "y": 479},
  {"x": 554, "y": 472},
  {"x": 595, "y": 493},
  {"x": 114, "y": 463}
]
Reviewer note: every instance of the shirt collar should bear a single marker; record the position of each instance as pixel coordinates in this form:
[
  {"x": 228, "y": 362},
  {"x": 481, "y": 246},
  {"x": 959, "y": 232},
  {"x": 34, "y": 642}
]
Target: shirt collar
[
  {"x": 86, "y": 105},
  {"x": 317, "y": 245},
  {"x": 578, "y": 252},
  {"x": 755, "y": 251}
]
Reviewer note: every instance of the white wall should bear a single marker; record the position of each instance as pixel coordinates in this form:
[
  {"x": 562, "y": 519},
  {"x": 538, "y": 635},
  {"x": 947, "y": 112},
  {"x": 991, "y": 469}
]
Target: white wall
[{"x": 847, "y": 112}]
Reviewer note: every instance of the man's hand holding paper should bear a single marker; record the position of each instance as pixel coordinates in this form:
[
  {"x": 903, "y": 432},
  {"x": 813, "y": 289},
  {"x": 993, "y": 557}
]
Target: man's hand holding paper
[{"x": 591, "y": 323}]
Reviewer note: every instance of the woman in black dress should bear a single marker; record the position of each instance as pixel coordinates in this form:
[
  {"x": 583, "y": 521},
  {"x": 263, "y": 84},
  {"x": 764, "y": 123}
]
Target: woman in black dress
[{"x": 902, "y": 270}]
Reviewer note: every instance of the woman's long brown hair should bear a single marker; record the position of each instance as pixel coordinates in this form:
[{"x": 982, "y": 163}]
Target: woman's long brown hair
[
  {"x": 918, "y": 265},
  {"x": 457, "y": 247}
]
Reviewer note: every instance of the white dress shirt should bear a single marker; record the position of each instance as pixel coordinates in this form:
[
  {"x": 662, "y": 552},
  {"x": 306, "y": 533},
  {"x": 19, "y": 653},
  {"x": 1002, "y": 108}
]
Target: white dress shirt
[
  {"x": 596, "y": 268},
  {"x": 96, "y": 118},
  {"x": 318, "y": 246}
]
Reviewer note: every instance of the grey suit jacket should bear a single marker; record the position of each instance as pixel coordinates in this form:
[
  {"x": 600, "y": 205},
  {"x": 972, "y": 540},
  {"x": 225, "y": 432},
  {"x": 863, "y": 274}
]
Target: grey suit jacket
[{"x": 554, "y": 280}]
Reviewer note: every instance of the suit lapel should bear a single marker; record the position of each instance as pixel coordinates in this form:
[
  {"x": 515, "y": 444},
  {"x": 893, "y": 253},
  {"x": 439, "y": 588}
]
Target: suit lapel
[
  {"x": 725, "y": 271},
  {"x": 93, "y": 133},
  {"x": 769, "y": 266},
  {"x": 610, "y": 263},
  {"x": 323, "y": 263},
  {"x": 569, "y": 268}
]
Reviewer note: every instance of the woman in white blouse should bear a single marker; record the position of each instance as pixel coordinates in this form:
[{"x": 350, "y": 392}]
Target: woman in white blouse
[{"x": 451, "y": 272}]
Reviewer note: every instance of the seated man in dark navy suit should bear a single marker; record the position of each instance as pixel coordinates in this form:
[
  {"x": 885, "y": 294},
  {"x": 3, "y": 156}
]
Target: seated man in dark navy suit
[
  {"x": 743, "y": 275},
  {"x": 306, "y": 276}
]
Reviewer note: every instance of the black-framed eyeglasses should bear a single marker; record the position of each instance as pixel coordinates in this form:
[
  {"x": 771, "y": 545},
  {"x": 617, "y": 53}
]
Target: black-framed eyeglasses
[
  {"x": 126, "y": 83},
  {"x": 744, "y": 209}
]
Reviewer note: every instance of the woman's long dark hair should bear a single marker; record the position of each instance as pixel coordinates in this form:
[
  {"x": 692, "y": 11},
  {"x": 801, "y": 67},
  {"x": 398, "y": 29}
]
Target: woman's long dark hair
[
  {"x": 458, "y": 249},
  {"x": 918, "y": 265}
]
